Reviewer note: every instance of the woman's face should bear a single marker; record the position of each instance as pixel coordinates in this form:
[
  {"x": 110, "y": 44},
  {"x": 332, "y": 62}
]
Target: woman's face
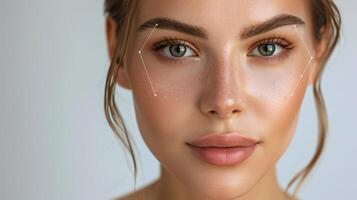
[{"x": 241, "y": 72}]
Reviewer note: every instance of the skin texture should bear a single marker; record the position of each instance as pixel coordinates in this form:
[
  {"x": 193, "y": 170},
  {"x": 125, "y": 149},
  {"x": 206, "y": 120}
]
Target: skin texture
[{"x": 220, "y": 89}]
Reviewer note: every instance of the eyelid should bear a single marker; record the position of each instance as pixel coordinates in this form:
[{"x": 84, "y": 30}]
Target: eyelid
[
  {"x": 272, "y": 40},
  {"x": 167, "y": 41},
  {"x": 278, "y": 40}
]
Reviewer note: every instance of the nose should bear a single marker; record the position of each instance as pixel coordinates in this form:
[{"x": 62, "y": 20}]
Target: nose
[{"x": 222, "y": 96}]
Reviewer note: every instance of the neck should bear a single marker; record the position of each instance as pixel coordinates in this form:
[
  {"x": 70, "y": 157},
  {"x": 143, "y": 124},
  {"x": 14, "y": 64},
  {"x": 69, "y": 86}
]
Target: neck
[{"x": 168, "y": 187}]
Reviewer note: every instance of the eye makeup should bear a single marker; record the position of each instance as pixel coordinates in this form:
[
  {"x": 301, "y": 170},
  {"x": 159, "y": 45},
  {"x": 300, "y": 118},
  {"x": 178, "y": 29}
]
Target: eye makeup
[
  {"x": 279, "y": 41},
  {"x": 170, "y": 42},
  {"x": 274, "y": 41}
]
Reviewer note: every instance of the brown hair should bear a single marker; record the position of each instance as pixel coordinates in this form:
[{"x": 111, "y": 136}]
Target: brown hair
[{"x": 326, "y": 20}]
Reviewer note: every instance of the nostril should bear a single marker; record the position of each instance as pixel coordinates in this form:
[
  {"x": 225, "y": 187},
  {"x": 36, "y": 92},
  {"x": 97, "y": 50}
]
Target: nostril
[
  {"x": 212, "y": 112},
  {"x": 217, "y": 113}
]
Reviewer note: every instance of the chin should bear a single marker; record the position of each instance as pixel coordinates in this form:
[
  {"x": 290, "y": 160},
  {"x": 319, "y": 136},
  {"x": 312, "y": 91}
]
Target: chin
[
  {"x": 222, "y": 193},
  {"x": 206, "y": 181},
  {"x": 225, "y": 187}
]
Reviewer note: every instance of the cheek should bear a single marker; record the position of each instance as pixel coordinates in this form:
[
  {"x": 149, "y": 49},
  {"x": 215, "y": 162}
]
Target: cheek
[
  {"x": 278, "y": 113},
  {"x": 161, "y": 119},
  {"x": 274, "y": 98}
]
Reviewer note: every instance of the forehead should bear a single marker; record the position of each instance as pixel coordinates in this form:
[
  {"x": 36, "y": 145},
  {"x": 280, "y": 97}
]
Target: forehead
[{"x": 215, "y": 16}]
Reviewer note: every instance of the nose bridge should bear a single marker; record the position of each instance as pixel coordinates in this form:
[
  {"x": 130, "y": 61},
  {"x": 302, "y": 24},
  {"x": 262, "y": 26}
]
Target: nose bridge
[
  {"x": 222, "y": 94},
  {"x": 223, "y": 78}
]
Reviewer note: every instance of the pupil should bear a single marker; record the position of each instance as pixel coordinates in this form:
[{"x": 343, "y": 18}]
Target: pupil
[
  {"x": 178, "y": 50},
  {"x": 267, "y": 49}
]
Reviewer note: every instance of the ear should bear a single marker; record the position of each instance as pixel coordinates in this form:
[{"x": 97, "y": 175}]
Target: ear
[
  {"x": 320, "y": 50},
  {"x": 111, "y": 27}
]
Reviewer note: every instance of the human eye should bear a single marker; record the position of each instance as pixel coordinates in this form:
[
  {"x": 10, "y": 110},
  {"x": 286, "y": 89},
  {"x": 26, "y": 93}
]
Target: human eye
[
  {"x": 270, "y": 48},
  {"x": 174, "y": 49}
]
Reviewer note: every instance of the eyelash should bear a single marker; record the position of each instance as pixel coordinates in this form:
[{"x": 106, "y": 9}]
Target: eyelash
[
  {"x": 286, "y": 45},
  {"x": 278, "y": 40},
  {"x": 167, "y": 42}
]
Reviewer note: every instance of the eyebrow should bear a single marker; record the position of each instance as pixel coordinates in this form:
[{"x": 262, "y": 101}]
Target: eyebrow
[
  {"x": 171, "y": 24},
  {"x": 271, "y": 24}
]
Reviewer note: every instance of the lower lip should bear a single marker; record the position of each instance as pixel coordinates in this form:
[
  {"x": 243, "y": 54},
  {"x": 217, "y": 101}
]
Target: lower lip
[{"x": 223, "y": 156}]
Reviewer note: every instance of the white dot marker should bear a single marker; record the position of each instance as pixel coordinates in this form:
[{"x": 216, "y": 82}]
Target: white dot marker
[
  {"x": 142, "y": 60},
  {"x": 309, "y": 62}
]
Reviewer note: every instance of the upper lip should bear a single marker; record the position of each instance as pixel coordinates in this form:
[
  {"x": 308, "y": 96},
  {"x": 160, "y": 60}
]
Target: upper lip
[{"x": 231, "y": 139}]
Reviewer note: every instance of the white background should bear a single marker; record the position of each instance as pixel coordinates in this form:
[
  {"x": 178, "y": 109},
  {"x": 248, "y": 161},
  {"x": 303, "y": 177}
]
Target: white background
[{"x": 54, "y": 140}]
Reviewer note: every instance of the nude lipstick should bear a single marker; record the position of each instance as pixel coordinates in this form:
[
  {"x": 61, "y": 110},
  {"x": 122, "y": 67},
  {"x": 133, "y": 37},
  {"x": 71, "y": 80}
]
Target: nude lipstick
[{"x": 223, "y": 149}]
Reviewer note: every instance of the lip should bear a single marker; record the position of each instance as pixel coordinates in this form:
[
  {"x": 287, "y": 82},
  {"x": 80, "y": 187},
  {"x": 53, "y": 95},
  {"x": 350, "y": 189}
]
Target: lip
[{"x": 223, "y": 149}]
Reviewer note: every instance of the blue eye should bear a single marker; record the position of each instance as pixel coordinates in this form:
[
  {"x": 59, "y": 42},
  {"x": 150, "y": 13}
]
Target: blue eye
[
  {"x": 271, "y": 47},
  {"x": 267, "y": 50},
  {"x": 174, "y": 49},
  {"x": 177, "y": 50}
]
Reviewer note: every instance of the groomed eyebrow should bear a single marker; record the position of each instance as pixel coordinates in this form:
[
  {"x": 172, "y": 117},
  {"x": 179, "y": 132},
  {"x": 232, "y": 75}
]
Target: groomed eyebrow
[
  {"x": 271, "y": 24},
  {"x": 171, "y": 24},
  {"x": 174, "y": 25}
]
